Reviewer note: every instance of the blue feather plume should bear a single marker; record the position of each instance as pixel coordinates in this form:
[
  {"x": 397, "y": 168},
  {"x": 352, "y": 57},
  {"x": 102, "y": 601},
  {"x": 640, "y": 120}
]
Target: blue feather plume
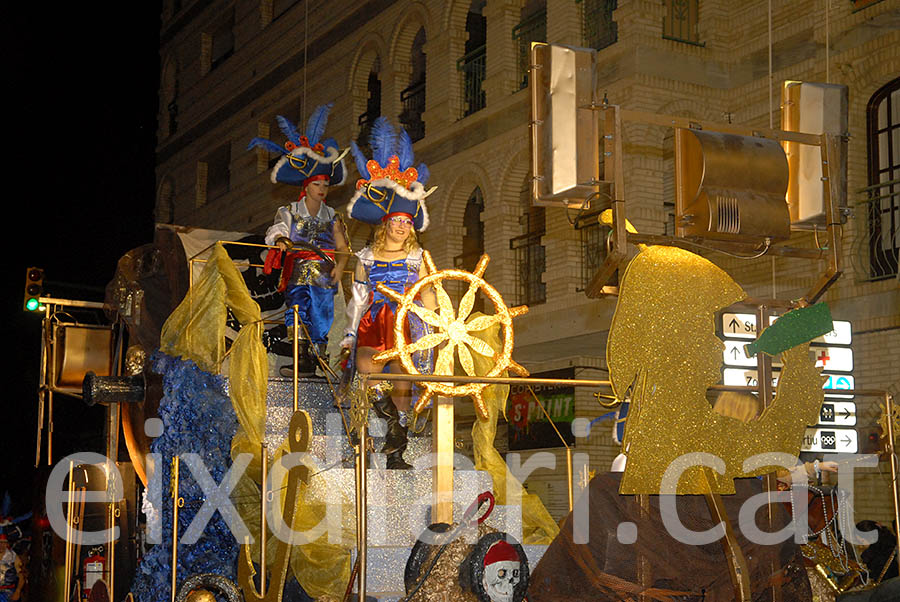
[
  {"x": 267, "y": 144},
  {"x": 424, "y": 174},
  {"x": 315, "y": 127},
  {"x": 382, "y": 140},
  {"x": 329, "y": 143},
  {"x": 288, "y": 128},
  {"x": 404, "y": 150},
  {"x": 360, "y": 160}
]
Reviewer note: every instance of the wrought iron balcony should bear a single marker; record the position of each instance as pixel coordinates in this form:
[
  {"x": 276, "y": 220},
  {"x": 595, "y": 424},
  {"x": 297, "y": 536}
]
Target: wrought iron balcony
[
  {"x": 532, "y": 28},
  {"x": 472, "y": 67},
  {"x": 413, "y": 99}
]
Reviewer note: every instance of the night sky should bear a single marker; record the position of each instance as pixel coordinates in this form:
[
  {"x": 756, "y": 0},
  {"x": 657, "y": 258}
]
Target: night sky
[{"x": 81, "y": 83}]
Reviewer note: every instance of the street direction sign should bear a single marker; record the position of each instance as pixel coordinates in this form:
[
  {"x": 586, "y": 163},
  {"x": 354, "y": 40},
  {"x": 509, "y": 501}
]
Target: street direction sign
[
  {"x": 738, "y": 377},
  {"x": 743, "y": 326},
  {"x": 838, "y": 413},
  {"x": 734, "y": 354},
  {"x": 838, "y": 382},
  {"x": 830, "y": 440},
  {"x": 833, "y": 359}
]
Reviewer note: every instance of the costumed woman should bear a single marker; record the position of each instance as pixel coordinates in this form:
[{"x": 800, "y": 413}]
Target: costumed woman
[
  {"x": 390, "y": 195},
  {"x": 309, "y": 232}
]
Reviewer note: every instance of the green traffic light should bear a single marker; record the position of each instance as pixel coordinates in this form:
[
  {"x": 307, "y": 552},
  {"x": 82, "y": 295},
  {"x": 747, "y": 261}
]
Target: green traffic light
[{"x": 32, "y": 304}]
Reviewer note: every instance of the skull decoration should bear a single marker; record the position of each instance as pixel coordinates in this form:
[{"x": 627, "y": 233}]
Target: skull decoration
[{"x": 502, "y": 572}]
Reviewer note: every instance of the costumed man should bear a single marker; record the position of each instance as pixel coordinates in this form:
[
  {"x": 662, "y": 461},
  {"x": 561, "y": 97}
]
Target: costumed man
[
  {"x": 309, "y": 233},
  {"x": 390, "y": 195},
  {"x": 12, "y": 578}
]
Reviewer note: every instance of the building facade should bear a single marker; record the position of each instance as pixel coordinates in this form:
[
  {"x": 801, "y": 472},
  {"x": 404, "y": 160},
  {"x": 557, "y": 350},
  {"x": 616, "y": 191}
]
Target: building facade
[{"x": 454, "y": 73}]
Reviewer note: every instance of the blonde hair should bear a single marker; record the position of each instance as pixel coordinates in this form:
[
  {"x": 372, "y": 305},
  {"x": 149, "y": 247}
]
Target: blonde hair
[{"x": 410, "y": 244}]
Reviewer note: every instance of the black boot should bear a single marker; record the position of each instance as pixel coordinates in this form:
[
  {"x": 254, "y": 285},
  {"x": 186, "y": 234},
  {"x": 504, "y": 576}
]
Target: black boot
[
  {"x": 395, "y": 440},
  {"x": 306, "y": 361}
]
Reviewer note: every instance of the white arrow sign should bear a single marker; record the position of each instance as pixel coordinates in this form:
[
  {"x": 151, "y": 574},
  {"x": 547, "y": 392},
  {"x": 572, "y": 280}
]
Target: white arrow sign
[
  {"x": 830, "y": 441},
  {"x": 737, "y": 377},
  {"x": 838, "y": 413},
  {"x": 734, "y": 355},
  {"x": 743, "y": 326}
]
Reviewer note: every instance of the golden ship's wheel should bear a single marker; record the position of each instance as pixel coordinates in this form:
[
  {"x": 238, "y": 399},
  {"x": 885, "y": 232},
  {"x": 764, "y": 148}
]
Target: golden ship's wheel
[{"x": 453, "y": 329}]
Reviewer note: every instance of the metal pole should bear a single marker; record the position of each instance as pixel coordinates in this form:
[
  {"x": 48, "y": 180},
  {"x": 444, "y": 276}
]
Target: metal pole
[
  {"x": 361, "y": 493},
  {"x": 296, "y": 310},
  {"x": 176, "y": 501},
  {"x": 68, "y": 580},
  {"x": 264, "y": 456},
  {"x": 889, "y": 408}
]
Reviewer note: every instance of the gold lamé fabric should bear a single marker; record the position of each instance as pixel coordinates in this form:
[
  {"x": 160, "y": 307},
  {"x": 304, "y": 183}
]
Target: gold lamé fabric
[
  {"x": 663, "y": 345},
  {"x": 538, "y": 527}
]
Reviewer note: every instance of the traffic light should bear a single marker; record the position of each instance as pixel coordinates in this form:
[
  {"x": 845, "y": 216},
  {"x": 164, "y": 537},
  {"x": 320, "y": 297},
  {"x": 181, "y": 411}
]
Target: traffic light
[{"x": 34, "y": 286}]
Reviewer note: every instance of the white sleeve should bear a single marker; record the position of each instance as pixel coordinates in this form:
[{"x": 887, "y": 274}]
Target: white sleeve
[
  {"x": 356, "y": 306},
  {"x": 281, "y": 226}
]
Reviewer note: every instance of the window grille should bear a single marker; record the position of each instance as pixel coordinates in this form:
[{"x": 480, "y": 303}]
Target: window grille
[
  {"x": 413, "y": 99},
  {"x": 882, "y": 202},
  {"x": 681, "y": 20},
  {"x": 472, "y": 69},
  {"x": 532, "y": 28},
  {"x": 592, "y": 238},
  {"x": 598, "y": 30}
]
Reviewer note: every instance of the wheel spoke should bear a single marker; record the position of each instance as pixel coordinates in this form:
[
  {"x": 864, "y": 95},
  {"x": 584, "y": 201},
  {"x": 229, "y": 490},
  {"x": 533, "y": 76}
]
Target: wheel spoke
[
  {"x": 465, "y": 358},
  {"x": 445, "y": 305},
  {"x": 467, "y": 302},
  {"x": 427, "y": 342},
  {"x": 428, "y": 316},
  {"x": 444, "y": 364},
  {"x": 482, "y": 322},
  {"x": 478, "y": 345}
]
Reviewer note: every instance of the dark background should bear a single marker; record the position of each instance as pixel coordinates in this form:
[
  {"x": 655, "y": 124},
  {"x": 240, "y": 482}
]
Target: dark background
[{"x": 81, "y": 86}]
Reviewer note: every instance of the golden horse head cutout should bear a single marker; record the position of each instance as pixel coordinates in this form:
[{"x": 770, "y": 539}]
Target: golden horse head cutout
[{"x": 663, "y": 345}]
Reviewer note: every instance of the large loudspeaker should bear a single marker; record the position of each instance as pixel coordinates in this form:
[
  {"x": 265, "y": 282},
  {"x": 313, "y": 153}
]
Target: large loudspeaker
[
  {"x": 80, "y": 349},
  {"x": 730, "y": 187},
  {"x": 565, "y": 144},
  {"x": 814, "y": 108}
]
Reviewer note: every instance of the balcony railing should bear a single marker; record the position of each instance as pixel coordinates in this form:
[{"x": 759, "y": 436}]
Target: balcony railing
[
  {"x": 881, "y": 229},
  {"x": 598, "y": 30},
  {"x": 531, "y": 261},
  {"x": 472, "y": 68},
  {"x": 413, "y": 99},
  {"x": 531, "y": 29}
]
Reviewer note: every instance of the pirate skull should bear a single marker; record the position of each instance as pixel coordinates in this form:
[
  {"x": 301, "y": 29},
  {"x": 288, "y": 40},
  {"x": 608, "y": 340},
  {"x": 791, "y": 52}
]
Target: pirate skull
[{"x": 502, "y": 572}]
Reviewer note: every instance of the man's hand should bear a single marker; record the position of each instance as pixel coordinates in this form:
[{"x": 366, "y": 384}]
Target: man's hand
[{"x": 335, "y": 275}]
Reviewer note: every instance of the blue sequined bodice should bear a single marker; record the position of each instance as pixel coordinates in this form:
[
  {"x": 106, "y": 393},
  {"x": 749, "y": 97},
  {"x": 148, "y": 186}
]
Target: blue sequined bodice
[{"x": 397, "y": 275}]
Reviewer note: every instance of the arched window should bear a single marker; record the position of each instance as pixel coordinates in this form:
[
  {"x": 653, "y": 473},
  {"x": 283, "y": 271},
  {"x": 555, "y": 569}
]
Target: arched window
[
  {"x": 531, "y": 28},
  {"x": 883, "y": 215},
  {"x": 170, "y": 98},
  {"x": 530, "y": 254},
  {"x": 472, "y": 64},
  {"x": 413, "y": 97},
  {"x": 165, "y": 202},
  {"x": 373, "y": 107}
]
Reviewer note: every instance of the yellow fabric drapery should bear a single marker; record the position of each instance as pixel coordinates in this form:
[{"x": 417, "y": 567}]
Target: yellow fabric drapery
[
  {"x": 196, "y": 331},
  {"x": 538, "y": 527}
]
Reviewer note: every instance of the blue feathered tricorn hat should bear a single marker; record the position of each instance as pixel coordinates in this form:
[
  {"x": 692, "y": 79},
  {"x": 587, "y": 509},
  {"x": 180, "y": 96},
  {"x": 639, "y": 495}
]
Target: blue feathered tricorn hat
[
  {"x": 389, "y": 183},
  {"x": 305, "y": 156}
]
